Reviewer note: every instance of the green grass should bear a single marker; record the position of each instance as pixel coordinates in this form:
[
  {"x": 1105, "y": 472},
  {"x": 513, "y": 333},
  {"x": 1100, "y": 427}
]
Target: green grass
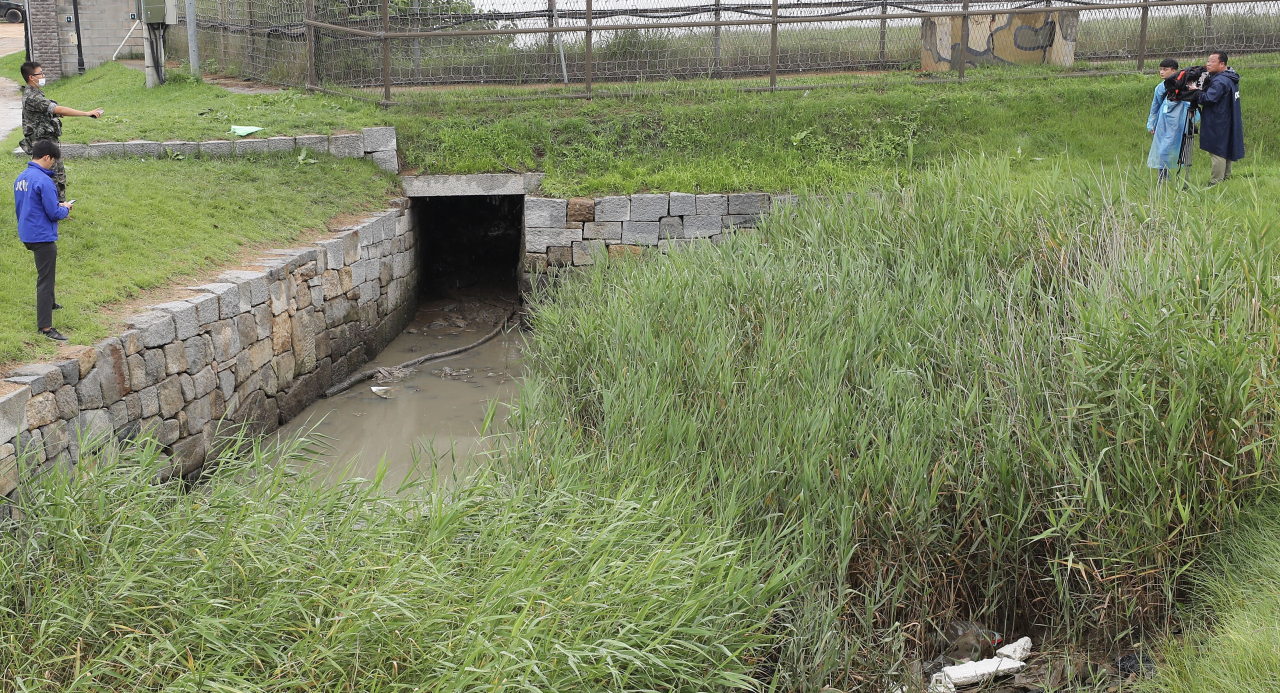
[
  {"x": 187, "y": 110},
  {"x": 708, "y": 137},
  {"x": 974, "y": 393},
  {"x": 140, "y": 225},
  {"x": 261, "y": 580},
  {"x": 1236, "y": 646}
]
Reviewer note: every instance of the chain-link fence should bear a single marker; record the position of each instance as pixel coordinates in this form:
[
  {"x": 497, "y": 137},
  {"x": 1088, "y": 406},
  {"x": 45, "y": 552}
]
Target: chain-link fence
[{"x": 375, "y": 48}]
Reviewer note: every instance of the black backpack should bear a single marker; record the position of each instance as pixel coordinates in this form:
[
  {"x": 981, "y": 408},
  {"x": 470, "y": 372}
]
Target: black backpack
[{"x": 1177, "y": 87}]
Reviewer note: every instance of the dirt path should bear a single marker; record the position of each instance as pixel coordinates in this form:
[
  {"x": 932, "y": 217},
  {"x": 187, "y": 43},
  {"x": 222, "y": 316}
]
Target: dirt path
[{"x": 11, "y": 41}]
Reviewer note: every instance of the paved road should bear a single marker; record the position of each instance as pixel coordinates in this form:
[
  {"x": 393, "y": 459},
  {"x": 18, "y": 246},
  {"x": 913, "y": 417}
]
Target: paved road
[{"x": 11, "y": 41}]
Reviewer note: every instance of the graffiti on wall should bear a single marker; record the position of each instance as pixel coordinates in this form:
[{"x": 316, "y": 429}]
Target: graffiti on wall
[{"x": 1047, "y": 38}]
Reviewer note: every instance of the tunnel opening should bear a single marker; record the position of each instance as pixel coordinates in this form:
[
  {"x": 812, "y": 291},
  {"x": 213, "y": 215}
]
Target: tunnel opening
[{"x": 469, "y": 245}]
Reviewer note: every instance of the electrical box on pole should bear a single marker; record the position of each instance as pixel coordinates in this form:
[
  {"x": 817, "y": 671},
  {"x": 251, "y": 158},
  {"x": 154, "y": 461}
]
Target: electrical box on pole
[{"x": 153, "y": 11}]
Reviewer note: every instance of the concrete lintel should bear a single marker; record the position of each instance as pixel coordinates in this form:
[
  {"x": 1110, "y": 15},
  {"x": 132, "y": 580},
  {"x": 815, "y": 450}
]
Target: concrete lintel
[{"x": 456, "y": 186}]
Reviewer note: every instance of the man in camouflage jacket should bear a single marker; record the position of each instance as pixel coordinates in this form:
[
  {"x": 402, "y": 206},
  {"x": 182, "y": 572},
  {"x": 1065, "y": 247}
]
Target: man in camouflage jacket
[{"x": 42, "y": 120}]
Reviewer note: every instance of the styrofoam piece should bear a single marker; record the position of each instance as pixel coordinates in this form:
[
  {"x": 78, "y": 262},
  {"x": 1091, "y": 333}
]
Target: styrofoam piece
[
  {"x": 975, "y": 672},
  {"x": 1019, "y": 650}
]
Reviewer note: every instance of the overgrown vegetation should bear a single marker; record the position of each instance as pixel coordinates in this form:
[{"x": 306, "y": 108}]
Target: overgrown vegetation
[
  {"x": 788, "y": 458},
  {"x": 261, "y": 579},
  {"x": 968, "y": 395},
  {"x": 140, "y": 225}
]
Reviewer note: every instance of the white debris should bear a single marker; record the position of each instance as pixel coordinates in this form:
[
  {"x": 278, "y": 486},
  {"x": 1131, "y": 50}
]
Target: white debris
[
  {"x": 1019, "y": 650},
  {"x": 381, "y": 392},
  {"x": 973, "y": 672}
]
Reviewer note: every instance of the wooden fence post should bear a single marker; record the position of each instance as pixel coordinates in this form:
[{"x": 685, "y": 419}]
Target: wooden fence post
[
  {"x": 310, "y": 14},
  {"x": 386, "y": 51},
  {"x": 1208, "y": 27},
  {"x": 589, "y": 64},
  {"x": 884, "y": 33},
  {"x": 773, "y": 48},
  {"x": 1142, "y": 35},
  {"x": 964, "y": 40}
]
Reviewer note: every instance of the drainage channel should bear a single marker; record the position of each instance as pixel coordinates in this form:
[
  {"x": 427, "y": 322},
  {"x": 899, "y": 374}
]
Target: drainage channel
[{"x": 430, "y": 420}]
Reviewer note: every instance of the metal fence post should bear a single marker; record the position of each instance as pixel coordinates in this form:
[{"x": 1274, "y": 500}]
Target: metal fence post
[
  {"x": 193, "y": 50},
  {"x": 964, "y": 40},
  {"x": 588, "y": 41},
  {"x": 1142, "y": 35},
  {"x": 773, "y": 48},
  {"x": 386, "y": 51},
  {"x": 417, "y": 43},
  {"x": 884, "y": 32},
  {"x": 715, "y": 43},
  {"x": 310, "y": 14}
]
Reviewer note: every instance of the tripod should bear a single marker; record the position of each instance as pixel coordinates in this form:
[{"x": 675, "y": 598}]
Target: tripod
[{"x": 1189, "y": 130}]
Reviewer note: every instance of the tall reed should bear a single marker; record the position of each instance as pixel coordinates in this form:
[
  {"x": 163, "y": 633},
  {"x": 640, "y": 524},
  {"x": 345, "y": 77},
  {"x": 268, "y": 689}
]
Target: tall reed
[
  {"x": 969, "y": 395},
  {"x": 264, "y": 579}
]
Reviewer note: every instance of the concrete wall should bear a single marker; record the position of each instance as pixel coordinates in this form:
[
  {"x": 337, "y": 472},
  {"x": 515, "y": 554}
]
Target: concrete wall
[
  {"x": 103, "y": 25},
  {"x": 255, "y": 347},
  {"x": 1000, "y": 39}
]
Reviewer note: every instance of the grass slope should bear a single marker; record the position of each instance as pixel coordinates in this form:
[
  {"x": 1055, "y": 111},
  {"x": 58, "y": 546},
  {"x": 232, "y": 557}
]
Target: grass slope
[
  {"x": 710, "y": 138},
  {"x": 142, "y": 224},
  {"x": 187, "y": 110},
  {"x": 1237, "y": 647}
]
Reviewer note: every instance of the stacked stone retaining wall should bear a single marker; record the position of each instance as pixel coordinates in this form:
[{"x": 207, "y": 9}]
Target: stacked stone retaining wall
[
  {"x": 253, "y": 348},
  {"x": 376, "y": 144},
  {"x": 561, "y": 233}
]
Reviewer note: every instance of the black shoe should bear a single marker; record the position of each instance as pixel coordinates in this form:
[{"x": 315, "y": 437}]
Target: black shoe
[
  {"x": 57, "y": 306},
  {"x": 54, "y": 334}
]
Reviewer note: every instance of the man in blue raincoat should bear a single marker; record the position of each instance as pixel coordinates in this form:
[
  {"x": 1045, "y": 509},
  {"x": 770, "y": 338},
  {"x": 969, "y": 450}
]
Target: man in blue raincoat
[
  {"x": 1167, "y": 123},
  {"x": 1222, "y": 131}
]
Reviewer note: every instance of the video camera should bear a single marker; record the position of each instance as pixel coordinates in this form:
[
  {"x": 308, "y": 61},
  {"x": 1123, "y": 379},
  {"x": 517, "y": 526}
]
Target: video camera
[{"x": 1180, "y": 86}]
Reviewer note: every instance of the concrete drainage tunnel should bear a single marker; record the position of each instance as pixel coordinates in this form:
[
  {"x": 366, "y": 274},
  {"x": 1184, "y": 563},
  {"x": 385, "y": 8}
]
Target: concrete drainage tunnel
[{"x": 469, "y": 249}]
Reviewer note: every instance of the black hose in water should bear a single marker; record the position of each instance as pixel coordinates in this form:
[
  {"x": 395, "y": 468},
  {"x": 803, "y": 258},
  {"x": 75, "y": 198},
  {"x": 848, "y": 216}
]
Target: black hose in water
[{"x": 365, "y": 375}]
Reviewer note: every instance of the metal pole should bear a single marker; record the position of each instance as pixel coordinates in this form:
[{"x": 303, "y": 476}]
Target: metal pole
[
  {"x": 884, "y": 32},
  {"x": 715, "y": 43},
  {"x": 386, "y": 51},
  {"x": 75, "y": 12},
  {"x": 311, "y": 44},
  {"x": 417, "y": 43},
  {"x": 773, "y": 48},
  {"x": 588, "y": 80},
  {"x": 564, "y": 69},
  {"x": 193, "y": 50},
  {"x": 964, "y": 40},
  {"x": 1142, "y": 37},
  {"x": 222, "y": 32}
]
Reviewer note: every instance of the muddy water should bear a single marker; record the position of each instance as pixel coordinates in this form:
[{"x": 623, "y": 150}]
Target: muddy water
[{"x": 431, "y": 418}]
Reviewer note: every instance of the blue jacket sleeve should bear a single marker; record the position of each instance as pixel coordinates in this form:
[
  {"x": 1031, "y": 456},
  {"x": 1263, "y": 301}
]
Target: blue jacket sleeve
[
  {"x": 1214, "y": 93},
  {"x": 1156, "y": 101},
  {"x": 49, "y": 200}
]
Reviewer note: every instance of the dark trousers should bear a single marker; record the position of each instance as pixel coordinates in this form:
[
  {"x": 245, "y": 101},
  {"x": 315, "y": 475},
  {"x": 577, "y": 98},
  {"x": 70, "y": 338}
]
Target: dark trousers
[{"x": 46, "y": 270}]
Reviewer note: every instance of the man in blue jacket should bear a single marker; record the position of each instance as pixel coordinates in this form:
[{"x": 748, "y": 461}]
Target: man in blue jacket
[
  {"x": 35, "y": 199},
  {"x": 1221, "y": 125}
]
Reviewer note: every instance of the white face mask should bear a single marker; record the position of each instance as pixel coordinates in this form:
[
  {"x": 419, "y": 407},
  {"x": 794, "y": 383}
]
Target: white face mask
[{"x": 41, "y": 82}]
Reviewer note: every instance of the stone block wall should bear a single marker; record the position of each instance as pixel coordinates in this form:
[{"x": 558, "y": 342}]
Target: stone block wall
[
  {"x": 561, "y": 233},
  {"x": 254, "y": 348},
  {"x": 42, "y": 22},
  {"x": 375, "y": 144},
  {"x": 104, "y": 24}
]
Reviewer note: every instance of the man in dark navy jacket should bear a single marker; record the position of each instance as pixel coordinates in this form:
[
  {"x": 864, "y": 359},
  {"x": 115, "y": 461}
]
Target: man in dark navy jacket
[
  {"x": 1221, "y": 125},
  {"x": 35, "y": 200}
]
